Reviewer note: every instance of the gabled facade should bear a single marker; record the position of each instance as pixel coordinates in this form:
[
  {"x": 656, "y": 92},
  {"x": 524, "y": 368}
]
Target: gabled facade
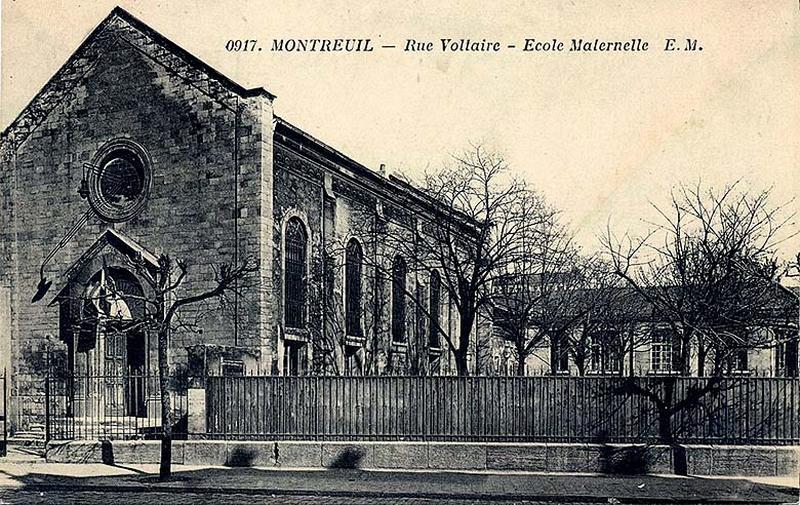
[{"x": 135, "y": 149}]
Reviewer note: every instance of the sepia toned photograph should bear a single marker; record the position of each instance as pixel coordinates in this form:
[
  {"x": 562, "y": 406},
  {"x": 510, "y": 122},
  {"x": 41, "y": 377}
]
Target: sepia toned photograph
[{"x": 399, "y": 252}]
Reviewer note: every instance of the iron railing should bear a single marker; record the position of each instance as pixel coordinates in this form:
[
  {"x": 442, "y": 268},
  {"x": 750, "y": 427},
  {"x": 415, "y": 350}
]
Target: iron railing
[
  {"x": 109, "y": 407},
  {"x": 737, "y": 410}
]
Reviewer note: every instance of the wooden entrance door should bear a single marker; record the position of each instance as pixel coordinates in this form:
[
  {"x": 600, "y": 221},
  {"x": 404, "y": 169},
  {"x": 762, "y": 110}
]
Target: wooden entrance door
[{"x": 114, "y": 373}]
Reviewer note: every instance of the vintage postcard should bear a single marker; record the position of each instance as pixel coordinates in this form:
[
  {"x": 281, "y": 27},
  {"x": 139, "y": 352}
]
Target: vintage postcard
[{"x": 399, "y": 252}]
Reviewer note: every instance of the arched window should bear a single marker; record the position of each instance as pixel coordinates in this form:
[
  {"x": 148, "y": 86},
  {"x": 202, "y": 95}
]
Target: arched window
[
  {"x": 435, "y": 304},
  {"x": 294, "y": 279},
  {"x": 399, "y": 271},
  {"x": 353, "y": 260}
]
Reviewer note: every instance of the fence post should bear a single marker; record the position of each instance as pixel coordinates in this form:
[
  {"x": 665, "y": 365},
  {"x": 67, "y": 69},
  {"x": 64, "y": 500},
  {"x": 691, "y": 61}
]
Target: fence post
[
  {"x": 47, "y": 409},
  {"x": 47, "y": 393},
  {"x": 196, "y": 407},
  {"x": 4, "y": 452}
]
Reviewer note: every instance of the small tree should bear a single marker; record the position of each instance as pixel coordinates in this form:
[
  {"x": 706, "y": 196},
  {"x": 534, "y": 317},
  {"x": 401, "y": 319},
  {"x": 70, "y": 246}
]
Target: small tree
[
  {"x": 709, "y": 272},
  {"x": 608, "y": 310},
  {"x": 162, "y": 311},
  {"x": 537, "y": 297}
]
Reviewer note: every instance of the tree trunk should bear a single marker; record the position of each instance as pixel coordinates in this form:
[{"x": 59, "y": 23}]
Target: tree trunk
[
  {"x": 632, "y": 354},
  {"x": 166, "y": 410},
  {"x": 665, "y": 426},
  {"x": 464, "y": 334},
  {"x": 701, "y": 359},
  {"x": 521, "y": 366},
  {"x": 665, "y": 432},
  {"x": 685, "y": 356},
  {"x": 665, "y": 411},
  {"x": 461, "y": 362},
  {"x": 679, "y": 462}
]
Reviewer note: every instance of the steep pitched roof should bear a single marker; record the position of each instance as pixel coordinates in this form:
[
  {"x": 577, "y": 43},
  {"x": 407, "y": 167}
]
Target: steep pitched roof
[{"x": 127, "y": 29}]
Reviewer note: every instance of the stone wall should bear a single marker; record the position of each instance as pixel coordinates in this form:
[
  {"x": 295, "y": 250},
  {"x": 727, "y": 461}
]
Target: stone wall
[
  {"x": 335, "y": 208},
  {"x": 571, "y": 458},
  {"x": 206, "y": 204}
]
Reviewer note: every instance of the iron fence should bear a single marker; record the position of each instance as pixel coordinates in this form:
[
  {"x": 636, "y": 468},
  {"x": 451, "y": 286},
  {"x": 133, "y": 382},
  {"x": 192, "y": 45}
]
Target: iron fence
[
  {"x": 109, "y": 407},
  {"x": 731, "y": 410},
  {"x": 735, "y": 410}
]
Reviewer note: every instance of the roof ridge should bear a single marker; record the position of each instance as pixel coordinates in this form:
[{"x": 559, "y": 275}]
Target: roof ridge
[
  {"x": 192, "y": 59},
  {"x": 391, "y": 181},
  {"x": 35, "y": 116}
]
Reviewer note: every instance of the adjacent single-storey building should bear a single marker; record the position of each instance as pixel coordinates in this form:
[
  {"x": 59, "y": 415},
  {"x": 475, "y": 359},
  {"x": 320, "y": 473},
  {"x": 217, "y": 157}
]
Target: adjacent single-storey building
[{"x": 625, "y": 335}]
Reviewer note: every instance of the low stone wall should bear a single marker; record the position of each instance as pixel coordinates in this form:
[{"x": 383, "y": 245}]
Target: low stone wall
[{"x": 585, "y": 458}]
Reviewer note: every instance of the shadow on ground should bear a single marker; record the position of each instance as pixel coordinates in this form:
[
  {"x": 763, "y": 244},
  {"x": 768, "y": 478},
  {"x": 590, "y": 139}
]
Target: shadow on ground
[{"x": 344, "y": 482}]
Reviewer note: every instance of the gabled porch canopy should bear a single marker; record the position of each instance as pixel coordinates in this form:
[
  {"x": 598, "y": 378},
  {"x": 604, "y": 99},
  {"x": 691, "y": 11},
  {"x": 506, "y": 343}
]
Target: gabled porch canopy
[{"x": 110, "y": 238}]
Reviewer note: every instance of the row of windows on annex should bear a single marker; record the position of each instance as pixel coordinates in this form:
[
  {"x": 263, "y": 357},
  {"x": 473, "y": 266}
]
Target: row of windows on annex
[
  {"x": 414, "y": 307},
  {"x": 607, "y": 353}
]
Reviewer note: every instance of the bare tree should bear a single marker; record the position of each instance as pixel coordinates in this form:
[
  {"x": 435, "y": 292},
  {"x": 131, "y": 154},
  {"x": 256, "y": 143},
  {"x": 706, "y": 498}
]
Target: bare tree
[
  {"x": 609, "y": 311},
  {"x": 162, "y": 312},
  {"x": 479, "y": 215},
  {"x": 536, "y": 299},
  {"x": 332, "y": 339},
  {"x": 708, "y": 271}
]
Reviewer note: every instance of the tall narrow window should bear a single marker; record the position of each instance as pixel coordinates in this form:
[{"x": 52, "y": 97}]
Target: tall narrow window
[
  {"x": 664, "y": 351},
  {"x": 435, "y": 305},
  {"x": 606, "y": 351},
  {"x": 399, "y": 271},
  {"x": 419, "y": 313},
  {"x": 353, "y": 361},
  {"x": 294, "y": 281},
  {"x": 738, "y": 358},
  {"x": 559, "y": 356},
  {"x": 786, "y": 363},
  {"x": 739, "y": 361},
  {"x": 294, "y": 358},
  {"x": 353, "y": 261},
  {"x": 786, "y": 356}
]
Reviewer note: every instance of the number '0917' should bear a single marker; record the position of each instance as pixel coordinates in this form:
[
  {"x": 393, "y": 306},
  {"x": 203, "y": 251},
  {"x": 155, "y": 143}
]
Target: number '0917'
[{"x": 237, "y": 45}]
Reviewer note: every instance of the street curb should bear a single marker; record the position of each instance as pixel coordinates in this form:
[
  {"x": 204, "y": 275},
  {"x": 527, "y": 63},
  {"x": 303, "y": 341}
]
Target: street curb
[
  {"x": 719, "y": 460},
  {"x": 566, "y": 498}
]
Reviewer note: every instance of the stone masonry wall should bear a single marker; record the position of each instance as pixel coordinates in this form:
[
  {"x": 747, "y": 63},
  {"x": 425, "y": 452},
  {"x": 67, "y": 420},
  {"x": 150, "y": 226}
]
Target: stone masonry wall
[
  {"x": 302, "y": 187},
  {"x": 131, "y": 87}
]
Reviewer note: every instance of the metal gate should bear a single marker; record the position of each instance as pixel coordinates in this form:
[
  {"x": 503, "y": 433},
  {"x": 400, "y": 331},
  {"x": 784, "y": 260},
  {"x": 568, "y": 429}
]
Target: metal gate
[{"x": 109, "y": 407}]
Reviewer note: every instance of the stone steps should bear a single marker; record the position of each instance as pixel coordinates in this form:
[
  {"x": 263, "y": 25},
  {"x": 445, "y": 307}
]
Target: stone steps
[{"x": 31, "y": 438}]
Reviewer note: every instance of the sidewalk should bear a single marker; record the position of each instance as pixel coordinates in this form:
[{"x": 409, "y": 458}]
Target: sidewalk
[{"x": 559, "y": 488}]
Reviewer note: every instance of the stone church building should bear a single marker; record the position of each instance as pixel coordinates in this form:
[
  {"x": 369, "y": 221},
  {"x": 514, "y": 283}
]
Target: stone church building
[{"x": 135, "y": 148}]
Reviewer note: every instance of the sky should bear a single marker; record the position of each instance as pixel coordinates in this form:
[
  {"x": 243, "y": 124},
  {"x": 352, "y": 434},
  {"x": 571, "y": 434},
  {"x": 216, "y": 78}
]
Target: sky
[{"x": 603, "y": 136}]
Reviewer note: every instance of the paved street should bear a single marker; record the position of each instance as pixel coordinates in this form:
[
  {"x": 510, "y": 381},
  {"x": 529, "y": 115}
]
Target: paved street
[
  {"x": 151, "y": 498},
  {"x": 26, "y": 479},
  {"x": 64, "y": 497}
]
